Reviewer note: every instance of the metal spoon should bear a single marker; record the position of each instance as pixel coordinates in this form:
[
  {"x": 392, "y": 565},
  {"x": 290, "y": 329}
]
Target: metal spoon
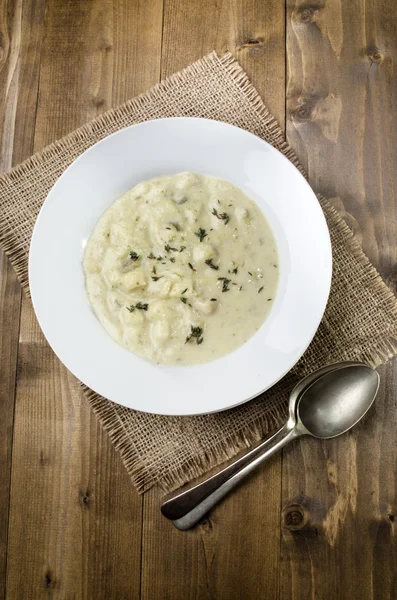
[{"x": 324, "y": 405}]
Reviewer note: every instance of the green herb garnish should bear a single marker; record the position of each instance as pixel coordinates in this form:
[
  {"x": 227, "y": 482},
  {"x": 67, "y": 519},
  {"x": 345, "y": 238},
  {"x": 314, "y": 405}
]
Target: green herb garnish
[
  {"x": 139, "y": 306},
  {"x": 191, "y": 266},
  {"x": 182, "y": 248},
  {"x": 211, "y": 264},
  {"x": 151, "y": 255},
  {"x": 214, "y": 299},
  {"x": 172, "y": 260},
  {"x": 260, "y": 289},
  {"x": 133, "y": 255},
  {"x": 225, "y": 283},
  {"x": 201, "y": 234},
  {"x": 184, "y": 291},
  {"x": 169, "y": 248},
  {"x": 157, "y": 278},
  {"x": 249, "y": 273},
  {"x": 222, "y": 216},
  {"x": 184, "y": 300},
  {"x": 195, "y": 334}
]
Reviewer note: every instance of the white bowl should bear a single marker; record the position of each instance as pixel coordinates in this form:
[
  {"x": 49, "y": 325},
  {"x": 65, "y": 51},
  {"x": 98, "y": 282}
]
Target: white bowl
[{"x": 107, "y": 170}]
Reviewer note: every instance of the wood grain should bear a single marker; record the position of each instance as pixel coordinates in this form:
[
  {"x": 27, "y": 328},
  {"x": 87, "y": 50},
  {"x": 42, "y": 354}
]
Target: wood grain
[
  {"x": 218, "y": 559},
  {"x": 339, "y": 497},
  {"x": 76, "y": 522},
  {"x": 10, "y": 295},
  {"x": 232, "y": 554},
  {"x": 253, "y": 30},
  {"x": 16, "y": 64},
  {"x": 341, "y": 100},
  {"x": 319, "y": 523}
]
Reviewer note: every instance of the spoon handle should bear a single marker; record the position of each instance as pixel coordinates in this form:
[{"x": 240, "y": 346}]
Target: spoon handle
[{"x": 188, "y": 508}]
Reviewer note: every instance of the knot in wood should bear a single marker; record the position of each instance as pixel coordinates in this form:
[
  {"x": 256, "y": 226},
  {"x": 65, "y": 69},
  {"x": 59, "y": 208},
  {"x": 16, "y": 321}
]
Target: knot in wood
[
  {"x": 307, "y": 14},
  {"x": 303, "y": 112},
  {"x": 251, "y": 42},
  {"x": 295, "y": 517},
  {"x": 206, "y": 525},
  {"x": 85, "y": 498},
  {"x": 376, "y": 56},
  {"x": 48, "y": 580}
]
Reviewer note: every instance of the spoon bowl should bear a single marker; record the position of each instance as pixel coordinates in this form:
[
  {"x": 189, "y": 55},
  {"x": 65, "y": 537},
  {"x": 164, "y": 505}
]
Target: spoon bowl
[{"x": 332, "y": 405}]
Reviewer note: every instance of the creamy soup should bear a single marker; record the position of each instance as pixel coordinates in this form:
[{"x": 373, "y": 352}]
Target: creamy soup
[{"x": 182, "y": 269}]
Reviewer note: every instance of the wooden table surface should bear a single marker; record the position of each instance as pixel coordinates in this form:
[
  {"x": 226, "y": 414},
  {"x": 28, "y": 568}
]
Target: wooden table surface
[{"x": 320, "y": 520}]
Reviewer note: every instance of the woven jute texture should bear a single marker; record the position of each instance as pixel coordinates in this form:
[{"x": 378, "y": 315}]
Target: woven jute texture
[{"x": 360, "y": 322}]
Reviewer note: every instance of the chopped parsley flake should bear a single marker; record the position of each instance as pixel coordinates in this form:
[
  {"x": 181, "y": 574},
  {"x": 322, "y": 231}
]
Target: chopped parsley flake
[
  {"x": 222, "y": 216},
  {"x": 195, "y": 334},
  {"x": 225, "y": 283},
  {"x": 169, "y": 248},
  {"x": 260, "y": 289},
  {"x": 201, "y": 234},
  {"x": 139, "y": 306},
  {"x": 211, "y": 264},
  {"x": 133, "y": 255}
]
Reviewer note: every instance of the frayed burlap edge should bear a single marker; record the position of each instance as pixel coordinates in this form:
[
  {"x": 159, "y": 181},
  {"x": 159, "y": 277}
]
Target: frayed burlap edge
[
  {"x": 106, "y": 410},
  {"x": 194, "y": 467}
]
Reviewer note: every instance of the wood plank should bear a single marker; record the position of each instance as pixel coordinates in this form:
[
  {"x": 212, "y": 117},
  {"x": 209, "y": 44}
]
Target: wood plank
[
  {"x": 75, "y": 519},
  {"x": 10, "y": 300},
  {"x": 339, "y": 497},
  {"x": 235, "y": 552},
  {"x": 231, "y": 554},
  {"x": 17, "y": 65},
  {"x": 253, "y": 31},
  {"x": 9, "y": 292}
]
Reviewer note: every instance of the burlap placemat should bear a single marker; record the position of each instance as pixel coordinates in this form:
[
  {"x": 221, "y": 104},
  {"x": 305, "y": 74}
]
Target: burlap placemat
[{"x": 360, "y": 321}]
